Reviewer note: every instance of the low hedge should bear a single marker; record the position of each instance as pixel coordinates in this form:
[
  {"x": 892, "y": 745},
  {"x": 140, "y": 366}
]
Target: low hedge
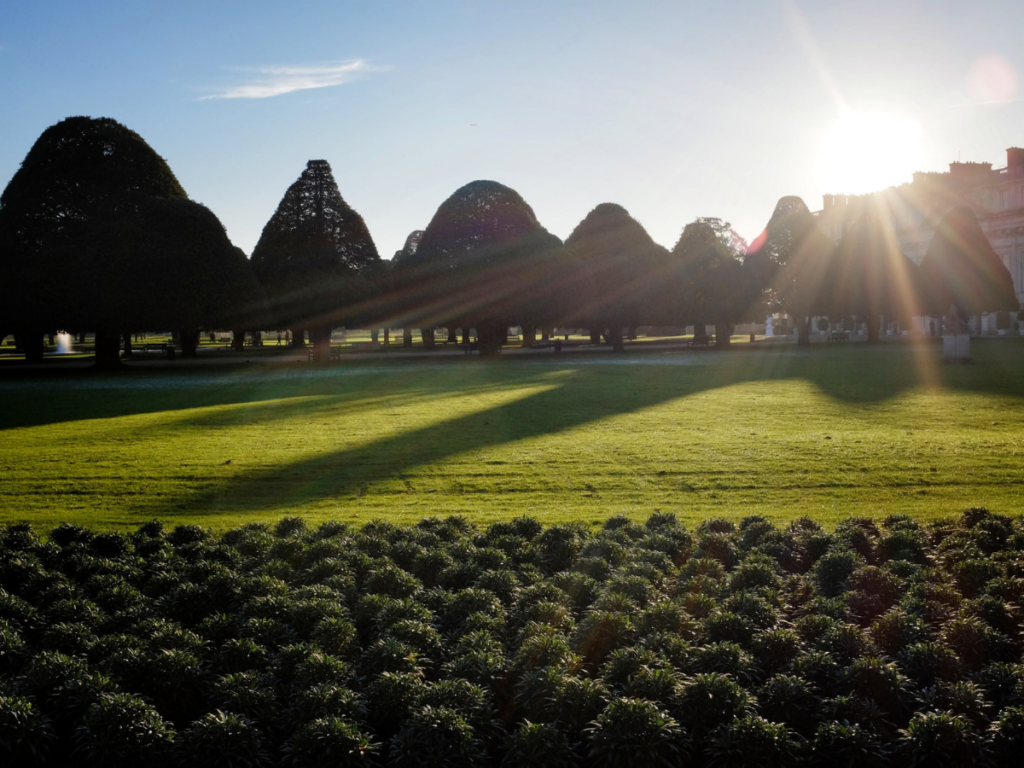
[{"x": 440, "y": 644}]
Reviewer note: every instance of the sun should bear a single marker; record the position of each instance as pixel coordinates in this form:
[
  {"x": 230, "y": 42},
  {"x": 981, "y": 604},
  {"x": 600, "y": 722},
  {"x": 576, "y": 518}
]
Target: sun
[{"x": 866, "y": 152}]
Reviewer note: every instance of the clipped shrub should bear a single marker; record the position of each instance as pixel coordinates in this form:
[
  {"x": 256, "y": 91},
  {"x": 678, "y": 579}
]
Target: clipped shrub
[
  {"x": 833, "y": 569},
  {"x": 710, "y": 700},
  {"x": 847, "y": 745},
  {"x": 1007, "y": 737},
  {"x": 540, "y": 745},
  {"x": 390, "y": 699},
  {"x": 635, "y": 732},
  {"x": 26, "y": 735},
  {"x": 791, "y": 700},
  {"x": 123, "y": 730},
  {"x": 330, "y": 741},
  {"x": 435, "y": 738},
  {"x": 941, "y": 740},
  {"x": 221, "y": 740},
  {"x": 751, "y": 742}
]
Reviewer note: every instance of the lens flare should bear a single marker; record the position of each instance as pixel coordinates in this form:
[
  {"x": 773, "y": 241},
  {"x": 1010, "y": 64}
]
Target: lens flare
[{"x": 867, "y": 152}]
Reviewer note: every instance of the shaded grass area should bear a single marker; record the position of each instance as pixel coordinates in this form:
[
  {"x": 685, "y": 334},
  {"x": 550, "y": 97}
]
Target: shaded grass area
[{"x": 784, "y": 432}]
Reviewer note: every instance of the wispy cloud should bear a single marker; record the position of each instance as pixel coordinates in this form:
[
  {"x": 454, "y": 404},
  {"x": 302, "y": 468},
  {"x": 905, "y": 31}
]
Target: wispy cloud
[{"x": 265, "y": 82}]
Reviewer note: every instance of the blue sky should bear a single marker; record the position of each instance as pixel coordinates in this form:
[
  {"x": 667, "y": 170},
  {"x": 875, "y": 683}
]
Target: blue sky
[{"x": 671, "y": 109}]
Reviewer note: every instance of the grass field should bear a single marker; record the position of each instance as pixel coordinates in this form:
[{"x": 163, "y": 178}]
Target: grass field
[{"x": 783, "y": 432}]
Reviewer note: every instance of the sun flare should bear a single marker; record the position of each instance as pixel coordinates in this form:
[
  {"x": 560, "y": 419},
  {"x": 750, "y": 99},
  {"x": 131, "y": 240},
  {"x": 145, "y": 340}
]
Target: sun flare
[{"x": 866, "y": 152}]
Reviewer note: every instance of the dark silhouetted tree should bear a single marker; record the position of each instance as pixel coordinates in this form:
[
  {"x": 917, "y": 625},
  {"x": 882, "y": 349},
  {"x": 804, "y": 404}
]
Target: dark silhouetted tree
[
  {"x": 871, "y": 277},
  {"x": 316, "y": 259},
  {"x": 961, "y": 269},
  {"x": 73, "y": 223},
  {"x": 204, "y": 281},
  {"x": 624, "y": 266},
  {"x": 792, "y": 257},
  {"x": 488, "y": 264},
  {"x": 709, "y": 277}
]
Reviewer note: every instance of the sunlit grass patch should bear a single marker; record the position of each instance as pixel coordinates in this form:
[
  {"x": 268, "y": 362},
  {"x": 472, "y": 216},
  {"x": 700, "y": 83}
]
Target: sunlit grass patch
[{"x": 780, "y": 432}]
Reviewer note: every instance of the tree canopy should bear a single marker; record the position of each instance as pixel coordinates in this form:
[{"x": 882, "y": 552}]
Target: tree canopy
[
  {"x": 961, "y": 268},
  {"x": 97, "y": 233},
  {"x": 791, "y": 259},
  {"x": 315, "y": 257},
  {"x": 710, "y": 284},
  {"x": 624, "y": 268},
  {"x": 492, "y": 265},
  {"x": 870, "y": 276},
  {"x": 80, "y": 175}
]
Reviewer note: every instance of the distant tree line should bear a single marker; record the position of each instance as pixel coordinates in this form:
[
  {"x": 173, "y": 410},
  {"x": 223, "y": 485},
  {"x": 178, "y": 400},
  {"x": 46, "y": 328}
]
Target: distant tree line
[{"x": 97, "y": 234}]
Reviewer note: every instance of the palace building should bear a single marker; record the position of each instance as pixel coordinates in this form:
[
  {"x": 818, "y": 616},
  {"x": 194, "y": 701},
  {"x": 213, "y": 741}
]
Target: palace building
[{"x": 996, "y": 195}]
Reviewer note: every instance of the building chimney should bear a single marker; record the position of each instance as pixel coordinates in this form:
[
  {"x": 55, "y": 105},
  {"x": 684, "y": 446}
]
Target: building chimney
[{"x": 1014, "y": 157}]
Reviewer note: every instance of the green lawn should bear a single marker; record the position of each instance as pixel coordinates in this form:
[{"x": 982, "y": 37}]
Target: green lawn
[{"x": 826, "y": 432}]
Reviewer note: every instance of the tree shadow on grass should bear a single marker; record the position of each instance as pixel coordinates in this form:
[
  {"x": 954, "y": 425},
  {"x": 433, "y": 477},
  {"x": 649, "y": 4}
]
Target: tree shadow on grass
[{"x": 573, "y": 394}]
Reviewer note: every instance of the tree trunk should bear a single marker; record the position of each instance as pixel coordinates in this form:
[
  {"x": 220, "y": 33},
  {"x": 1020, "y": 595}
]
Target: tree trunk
[
  {"x": 595, "y": 335},
  {"x": 321, "y": 338},
  {"x": 31, "y": 344},
  {"x": 427, "y": 334},
  {"x": 529, "y": 335},
  {"x": 700, "y": 330},
  {"x": 299, "y": 339},
  {"x": 407, "y": 337},
  {"x": 375, "y": 337},
  {"x": 545, "y": 334},
  {"x": 81, "y": 338},
  {"x": 492, "y": 337},
  {"x": 387, "y": 336},
  {"x": 238, "y": 339},
  {"x": 108, "y": 350},
  {"x": 615, "y": 338},
  {"x": 127, "y": 336},
  {"x": 465, "y": 335},
  {"x": 723, "y": 340},
  {"x": 873, "y": 323},
  {"x": 189, "y": 340},
  {"x": 803, "y": 333}
]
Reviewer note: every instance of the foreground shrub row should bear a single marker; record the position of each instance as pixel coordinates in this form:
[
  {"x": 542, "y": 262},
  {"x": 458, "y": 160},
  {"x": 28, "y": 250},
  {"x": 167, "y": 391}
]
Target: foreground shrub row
[{"x": 444, "y": 645}]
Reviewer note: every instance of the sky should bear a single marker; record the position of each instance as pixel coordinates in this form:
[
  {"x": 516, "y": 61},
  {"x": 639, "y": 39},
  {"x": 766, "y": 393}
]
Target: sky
[{"x": 673, "y": 110}]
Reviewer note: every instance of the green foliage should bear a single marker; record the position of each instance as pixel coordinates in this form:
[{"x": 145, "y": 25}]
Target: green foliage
[
  {"x": 624, "y": 268},
  {"x": 485, "y": 262},
  {"x": 635, "y": 731},
  {"x": 90, "y": 208},
  {"x": 26, "y": 735},
  {"x": 751, "y": 741},
  {"x": 315, "y": 257},
  {"x": 221, "y": 739},
  {"x": 941, "y": 739},
  {"x": 330, "y": 741},
  {"x": 435, "y": 737},
  {"x": 265, "y": 658},
  {"x": 961, "y": 269},
  {"x": 120, "y": 729},
  {"x": 541, "y": 745}
]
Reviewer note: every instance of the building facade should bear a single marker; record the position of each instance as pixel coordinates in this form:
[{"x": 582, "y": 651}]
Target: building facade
[{"x": 995, "y": 195}]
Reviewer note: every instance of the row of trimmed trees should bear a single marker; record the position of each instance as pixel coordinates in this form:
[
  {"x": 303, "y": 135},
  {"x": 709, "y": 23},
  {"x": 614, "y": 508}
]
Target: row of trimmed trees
[{"x": 96, "y": 233}]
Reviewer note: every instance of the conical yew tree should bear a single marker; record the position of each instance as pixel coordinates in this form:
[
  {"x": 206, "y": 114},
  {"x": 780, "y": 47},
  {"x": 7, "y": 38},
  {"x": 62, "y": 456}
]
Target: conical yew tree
[
  {"x": 871, "y": 277},
  {"x": 793, "y": 256},
  {"x": 492, "y": 265},
  {"x": 316, "y": 259},
  {"x": 624, "y": 266},
  {"x": 72, "y": 240},
  {"x": 961, "y": 269}
]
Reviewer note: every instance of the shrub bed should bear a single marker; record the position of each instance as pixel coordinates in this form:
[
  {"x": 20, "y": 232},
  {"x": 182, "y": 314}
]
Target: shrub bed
[{"x": 440, "y": 644}]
